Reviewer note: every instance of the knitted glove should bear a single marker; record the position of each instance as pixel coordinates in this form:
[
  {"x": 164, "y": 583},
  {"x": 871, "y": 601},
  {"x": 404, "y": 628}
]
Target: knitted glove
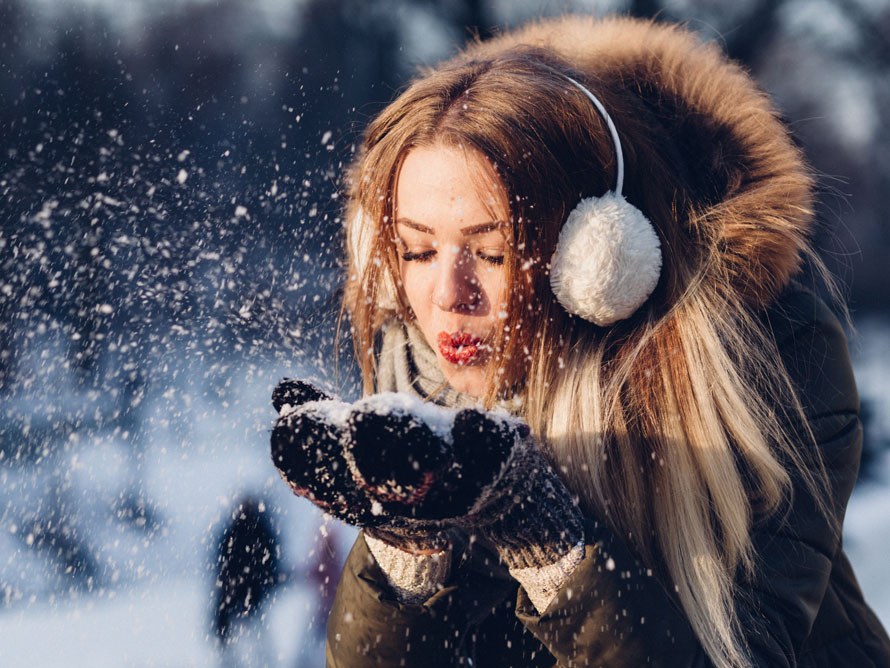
[
  {"x": 310, "y": 445},
  {"x": 477, "y": 470}
]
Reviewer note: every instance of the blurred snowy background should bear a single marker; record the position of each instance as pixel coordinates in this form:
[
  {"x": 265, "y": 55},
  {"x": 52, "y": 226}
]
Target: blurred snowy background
[{"x": 169, "y": 249}]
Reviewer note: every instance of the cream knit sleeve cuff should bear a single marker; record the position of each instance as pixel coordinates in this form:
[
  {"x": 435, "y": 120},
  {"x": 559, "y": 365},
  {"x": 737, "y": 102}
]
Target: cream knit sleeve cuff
[
  {"x": 542, "y": 583},
  {"x": 413, "y": 577}
]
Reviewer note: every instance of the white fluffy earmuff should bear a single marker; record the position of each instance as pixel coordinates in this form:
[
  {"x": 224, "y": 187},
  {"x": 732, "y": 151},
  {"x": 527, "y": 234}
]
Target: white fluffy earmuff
[
  {"x": 608, "y": 258},
  {"x": 361, "y": 237}
]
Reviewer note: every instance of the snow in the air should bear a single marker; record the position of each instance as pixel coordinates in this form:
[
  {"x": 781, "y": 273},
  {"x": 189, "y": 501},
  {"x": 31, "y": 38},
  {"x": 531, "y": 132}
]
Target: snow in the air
[{"x": 172, "y": 181}]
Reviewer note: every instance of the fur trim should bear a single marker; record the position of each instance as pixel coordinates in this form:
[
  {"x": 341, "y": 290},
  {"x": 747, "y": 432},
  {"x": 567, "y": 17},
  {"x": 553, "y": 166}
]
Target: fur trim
[
  {"x": 758, "y": 212},
  {"x": 607, "y": 261}
]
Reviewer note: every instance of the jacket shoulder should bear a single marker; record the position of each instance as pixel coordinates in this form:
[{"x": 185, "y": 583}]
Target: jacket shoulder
[{"x": 813, "y": 347}]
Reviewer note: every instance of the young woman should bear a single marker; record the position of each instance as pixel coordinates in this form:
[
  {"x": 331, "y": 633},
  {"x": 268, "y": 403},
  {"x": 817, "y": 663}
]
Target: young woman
[{"x": 611, "y": 428}]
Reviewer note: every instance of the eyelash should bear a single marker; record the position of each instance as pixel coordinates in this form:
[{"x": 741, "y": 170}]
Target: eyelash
[{"x": 427, "y": 256}]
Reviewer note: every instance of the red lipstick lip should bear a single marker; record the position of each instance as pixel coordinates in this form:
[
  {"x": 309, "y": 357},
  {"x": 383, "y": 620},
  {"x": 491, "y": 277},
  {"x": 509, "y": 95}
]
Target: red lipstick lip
[{"x": 458, "y": 347}]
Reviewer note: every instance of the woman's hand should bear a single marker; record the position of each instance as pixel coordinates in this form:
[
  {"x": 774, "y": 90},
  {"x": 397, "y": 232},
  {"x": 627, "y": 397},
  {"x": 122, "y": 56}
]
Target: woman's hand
[
  {"x": 410, "y": 469},
  {"x": 477, "y": 470},
  {"x": 307, "y": 449},
  {"x": 312, "y": 449}
]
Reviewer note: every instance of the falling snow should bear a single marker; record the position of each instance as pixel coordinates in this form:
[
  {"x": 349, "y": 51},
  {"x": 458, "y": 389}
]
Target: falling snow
[{"x": 170, "y": 249}]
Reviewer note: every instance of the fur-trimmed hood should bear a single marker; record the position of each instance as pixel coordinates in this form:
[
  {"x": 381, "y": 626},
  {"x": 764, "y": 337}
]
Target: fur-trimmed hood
[{"x": 758, "y": 207}]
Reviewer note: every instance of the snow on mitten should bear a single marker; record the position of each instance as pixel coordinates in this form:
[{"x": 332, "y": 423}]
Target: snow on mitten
[
  {"x": 399, "y": 446},
  {"x": 477, "y": 470},
  {"x": 307, "y": 448}
]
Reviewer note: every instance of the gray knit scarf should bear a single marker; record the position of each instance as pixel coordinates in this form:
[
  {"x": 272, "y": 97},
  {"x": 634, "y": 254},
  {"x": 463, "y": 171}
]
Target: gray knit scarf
[{"x": 406, "y": 363}]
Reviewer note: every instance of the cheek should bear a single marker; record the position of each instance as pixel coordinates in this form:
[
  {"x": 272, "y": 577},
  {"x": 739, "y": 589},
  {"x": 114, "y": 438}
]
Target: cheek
[
  {"x": 416, "y": 286},
  {"x": 494, "y": 284}
]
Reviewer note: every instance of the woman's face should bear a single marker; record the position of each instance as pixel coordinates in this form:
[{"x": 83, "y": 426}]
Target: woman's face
[{"x": 450, "y": 222}]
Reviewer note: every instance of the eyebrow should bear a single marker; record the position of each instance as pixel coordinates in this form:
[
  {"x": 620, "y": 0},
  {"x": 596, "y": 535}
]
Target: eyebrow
[{"x": 466, "y": 231}]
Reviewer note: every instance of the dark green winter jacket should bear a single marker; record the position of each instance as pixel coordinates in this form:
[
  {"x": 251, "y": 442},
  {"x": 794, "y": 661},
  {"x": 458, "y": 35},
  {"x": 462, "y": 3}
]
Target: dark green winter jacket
[{"x": 804, "y": 607}]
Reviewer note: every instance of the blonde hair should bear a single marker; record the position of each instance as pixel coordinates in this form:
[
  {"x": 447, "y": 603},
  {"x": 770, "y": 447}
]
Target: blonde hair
[{"x": 678, "y": 426}]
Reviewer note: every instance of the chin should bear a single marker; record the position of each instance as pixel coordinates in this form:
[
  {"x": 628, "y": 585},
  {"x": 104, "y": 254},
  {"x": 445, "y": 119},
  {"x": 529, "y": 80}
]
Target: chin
[{"x": 470, "y": 380}]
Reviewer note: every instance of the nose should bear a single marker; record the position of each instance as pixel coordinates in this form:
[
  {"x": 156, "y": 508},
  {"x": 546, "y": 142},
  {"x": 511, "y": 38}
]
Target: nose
[{"x": 457, "y": 287}]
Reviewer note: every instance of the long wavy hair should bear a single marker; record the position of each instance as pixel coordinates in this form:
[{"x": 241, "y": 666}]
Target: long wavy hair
[{"x": 675, "y": 426}]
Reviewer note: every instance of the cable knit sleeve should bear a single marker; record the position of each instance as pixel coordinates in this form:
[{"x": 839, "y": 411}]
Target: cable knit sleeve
[
  {"x": 413, "y": 577},
  {"x": 542, "y": 583}
]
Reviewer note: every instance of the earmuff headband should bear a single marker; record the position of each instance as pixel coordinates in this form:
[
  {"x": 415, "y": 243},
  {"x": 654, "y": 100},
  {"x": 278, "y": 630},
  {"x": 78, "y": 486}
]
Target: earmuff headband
[
  {"x": 608, "y": 258},
  {"x": 619, "y": 153}
]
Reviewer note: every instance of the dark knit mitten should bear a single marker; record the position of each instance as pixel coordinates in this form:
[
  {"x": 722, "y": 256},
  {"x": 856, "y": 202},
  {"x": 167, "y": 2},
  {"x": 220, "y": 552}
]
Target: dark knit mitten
[
  {"x": 309, "y": 445},
  {"x": 477, "y": 470},
  {"x": 306, "y": 449},
  {"x": 294, "y": 392}
]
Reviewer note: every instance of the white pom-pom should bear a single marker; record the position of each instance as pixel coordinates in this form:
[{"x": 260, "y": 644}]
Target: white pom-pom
[{"x": 607, "y": 261}]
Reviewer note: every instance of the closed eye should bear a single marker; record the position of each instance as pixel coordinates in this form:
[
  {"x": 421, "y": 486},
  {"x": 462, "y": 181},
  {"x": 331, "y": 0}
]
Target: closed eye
[
  {"x": 425, "y": 256},
  {"x": 491, "y": 259}
]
